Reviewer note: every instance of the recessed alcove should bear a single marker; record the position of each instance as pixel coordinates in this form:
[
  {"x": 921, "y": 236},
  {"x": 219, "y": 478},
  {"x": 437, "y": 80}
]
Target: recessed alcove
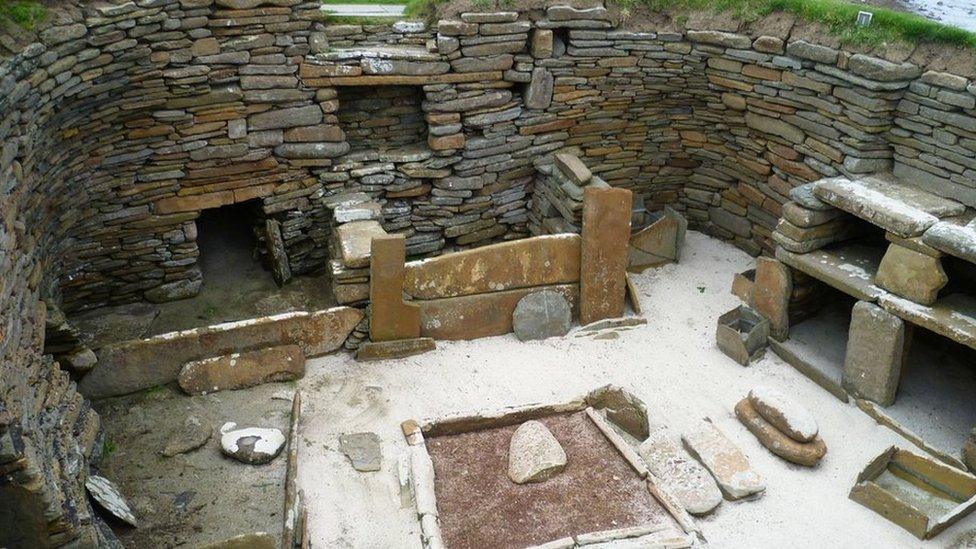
[{"x": 382, "y": 118}]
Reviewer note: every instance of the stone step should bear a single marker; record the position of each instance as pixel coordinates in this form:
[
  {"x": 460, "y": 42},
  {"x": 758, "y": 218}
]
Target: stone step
[{"x": 355, "y": 239}]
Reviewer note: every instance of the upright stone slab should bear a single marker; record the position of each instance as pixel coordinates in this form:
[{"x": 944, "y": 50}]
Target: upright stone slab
[
  {"x": 911, "y": 274},
  {"x": 390, "y": 318},
  {"x": 280, "y": 268},
  {"x": 771, "y": 295},
  {"x": 876, "y": 349},
  {"x": 606, "y": 234}
]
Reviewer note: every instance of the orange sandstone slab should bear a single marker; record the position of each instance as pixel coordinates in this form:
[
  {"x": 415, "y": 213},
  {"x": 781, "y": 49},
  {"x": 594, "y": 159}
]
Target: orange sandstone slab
[
  {"x": 242, "y": 370},
  {"x": 481, "y": 315},
  {"x": 606, "y": 236},
  {"x": 536, "y": 261},
  {"x": 390, "y": 317}
]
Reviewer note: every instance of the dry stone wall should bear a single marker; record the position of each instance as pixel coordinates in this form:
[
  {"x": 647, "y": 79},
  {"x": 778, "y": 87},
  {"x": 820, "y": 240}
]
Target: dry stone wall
[{"x": 124, "y": 120}]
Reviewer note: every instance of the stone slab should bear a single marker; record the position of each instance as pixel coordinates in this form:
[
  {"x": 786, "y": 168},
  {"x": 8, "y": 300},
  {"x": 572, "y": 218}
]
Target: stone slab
[
  {"x": 655, "y": 244},
  {"x": 911, "y": 274},
  {"x": 603, "y": 263},
  {"x": 722, "y": 458},
  {"x": 771, "y": 295},
  {"x": 390, "y": 317},
  {"x": 850, "y": 268},
  {"x": 882, "y": 201},
  {"x": 536, "y": 261},
  {"x": 280, "y": 268},
  {"x": 953, "y": 316},
  {"x": 480, "y": 315},
  {"x": 242, "y": 370},
  {"x": 390, "y": 350},
  {"x": 801, "y": 453},
  {"x": 952, "y": 238},
  {"x": 541, "y": 315},
  {"x": 876, "y": 350},
  {"x": 124, "y": 367},
  {"x": 681, "y": 475},
  {"x": 355, "y": 239}
]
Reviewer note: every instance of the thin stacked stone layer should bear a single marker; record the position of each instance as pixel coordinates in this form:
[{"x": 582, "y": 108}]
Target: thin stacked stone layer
[{"x": 123, "y": 121}]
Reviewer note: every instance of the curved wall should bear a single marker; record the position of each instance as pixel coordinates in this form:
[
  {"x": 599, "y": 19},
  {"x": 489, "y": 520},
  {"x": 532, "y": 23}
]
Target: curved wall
[{"x": 125, "y": 121}]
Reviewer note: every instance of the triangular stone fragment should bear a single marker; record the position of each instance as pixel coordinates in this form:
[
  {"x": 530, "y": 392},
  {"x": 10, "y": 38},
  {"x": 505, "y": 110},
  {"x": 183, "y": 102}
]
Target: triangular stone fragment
[
  {"x": 108, "y": 496},
  {"x": 534, "y": 455}
]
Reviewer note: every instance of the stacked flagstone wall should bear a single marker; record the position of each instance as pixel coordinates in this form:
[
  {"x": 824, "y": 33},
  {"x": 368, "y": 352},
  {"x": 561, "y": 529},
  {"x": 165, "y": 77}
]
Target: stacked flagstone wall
[{"x": 123, "y": 121}]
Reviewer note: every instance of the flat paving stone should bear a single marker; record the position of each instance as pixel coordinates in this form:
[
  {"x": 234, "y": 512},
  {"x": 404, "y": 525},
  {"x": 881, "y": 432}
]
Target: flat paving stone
[
  {"x": 722, "y": 458},
  {"x": 679, "y": 473}
]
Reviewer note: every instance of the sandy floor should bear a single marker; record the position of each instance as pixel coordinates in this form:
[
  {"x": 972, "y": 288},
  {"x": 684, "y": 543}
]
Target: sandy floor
[{"x": 672, "y": 363}]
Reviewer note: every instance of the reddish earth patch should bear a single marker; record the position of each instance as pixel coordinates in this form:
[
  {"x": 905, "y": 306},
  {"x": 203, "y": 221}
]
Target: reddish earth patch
[{"x": 480, "y": 507}]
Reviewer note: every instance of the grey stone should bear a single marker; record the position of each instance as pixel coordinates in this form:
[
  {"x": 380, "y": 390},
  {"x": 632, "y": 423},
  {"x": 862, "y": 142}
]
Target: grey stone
[
  {"x": 879, "y": 69},
  {"x": 719, "y": 38},
  {"x": 538, "y": 94},
  {"x": 813, "y": 52},
  {"x": 679, "y": 473},
  {"x": 180, "y": 289},
  {"x": 953, "y": 239},
  {"x": 541, "y": 315},
  {"x": 876, "y": 351},
  {"x": 789, "y": 417},
  {"x": 911, "y": 274},
  {"x": 190, "y": 436},
  {"x": 534, "y": 455},
  {"x": 251, "y": 445},
  {"x": 109, "y": 497},
  {"x": 363, "y": 451},
  {"x": 804, "y": 196}
]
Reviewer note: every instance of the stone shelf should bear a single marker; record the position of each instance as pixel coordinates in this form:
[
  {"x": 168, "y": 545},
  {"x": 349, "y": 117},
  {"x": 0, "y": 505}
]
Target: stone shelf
[
  {"x": 953, "y": 316},
  {"x": 956, "y": 236},
  {"x": 849, "y": 267},
  {"x": 884, "y": 202}
]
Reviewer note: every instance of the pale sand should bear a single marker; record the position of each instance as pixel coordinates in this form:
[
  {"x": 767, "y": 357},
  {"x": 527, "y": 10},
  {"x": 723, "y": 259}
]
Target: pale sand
[{"x": 672, "y": 363}]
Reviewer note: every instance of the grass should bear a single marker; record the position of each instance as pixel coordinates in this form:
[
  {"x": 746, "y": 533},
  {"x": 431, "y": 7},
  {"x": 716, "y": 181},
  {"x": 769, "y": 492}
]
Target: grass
[
  {"x": 25, "y": 13},
  {"x": 837, "y": 15}
]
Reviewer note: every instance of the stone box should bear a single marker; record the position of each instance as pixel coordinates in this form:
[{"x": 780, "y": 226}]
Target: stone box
[{"x": 742, "y": 334}]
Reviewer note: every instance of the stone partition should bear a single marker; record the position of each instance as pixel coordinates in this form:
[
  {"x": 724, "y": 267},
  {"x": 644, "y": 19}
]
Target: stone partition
[{"x": 121, "y": 121}]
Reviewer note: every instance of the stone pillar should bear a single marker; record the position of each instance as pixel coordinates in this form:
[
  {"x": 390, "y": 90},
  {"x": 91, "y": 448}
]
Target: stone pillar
[
  {"x": 771, "y": 295},
  {"x": 603, "y": 257},
  {"x": 912, "y": 274},
  {"x": 876, "y": 349},
  {"x": 390, "y": 317}
]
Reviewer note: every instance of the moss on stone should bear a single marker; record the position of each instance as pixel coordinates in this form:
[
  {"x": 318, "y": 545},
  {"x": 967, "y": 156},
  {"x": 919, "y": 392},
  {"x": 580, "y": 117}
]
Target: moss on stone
[{"x": 25, "y": 13}]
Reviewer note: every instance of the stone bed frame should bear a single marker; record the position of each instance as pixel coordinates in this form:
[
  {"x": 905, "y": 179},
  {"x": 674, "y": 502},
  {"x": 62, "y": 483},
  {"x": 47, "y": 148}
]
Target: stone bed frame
[
  {"x": 120, "y": 123},
  {"x": 421, "y": 481}
]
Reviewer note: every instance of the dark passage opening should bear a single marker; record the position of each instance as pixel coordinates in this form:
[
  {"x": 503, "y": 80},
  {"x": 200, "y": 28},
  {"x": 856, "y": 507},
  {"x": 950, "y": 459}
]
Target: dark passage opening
[{"x": 228, "y": 247}]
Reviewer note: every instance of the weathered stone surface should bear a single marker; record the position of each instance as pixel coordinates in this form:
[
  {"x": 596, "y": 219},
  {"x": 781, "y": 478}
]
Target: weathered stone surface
[
  {"x": 892, "y": 206},
  {"x": 450, "y": 318},
  {"x": 390, "y": 317},
  {"x": 355, "y": 239},
  {"x": 805, "y": 196},
  {"x": 173, "y": 291},
  {"x": 876, "y": 352},
  {"x": 541, "y": 315},
  {"x": 363, "y": 451},
  {"x": 603, "y": 263},
  {"x": 252, "y": 445},
  {"x": 254, "y": 540},
  {"x": 622, "y": 408},
  {"x": 107, "y": 495},
  {"x": 539, "y": 261},
  {"x": 121, "y": 367},
  {"x": 280, "y": 268},
  {"x": 813, "y": 52},
  {"x": 657, "y": 243},
  {"x": 719, "y": 38},
  {"x": 911, "y": 274},
  {"x": 771, "y": 296},
  {"x": 682, "y": 476},
  {"x": 969, "y": 451},
  {"x": 953, "y": 316},
  {"x": 776, "y": 127},
  {"x": 784, "y": 414},
  {"x": 187, "y": 437},
  {"x": 806, "y": 217},
  {"x": 540, "y": 43},
  {"x": 850, "y": 269},
  {"x": 534, "y": 455},
  {"x": 801, "y": 453},
  {"x": 953, "y": 239},
  {"x": 538, "y": 94},
  {"x": 242, "y": 370},
  {"x": 880, "y": 69},
  {"x": 724, "y": 460},
  {"x": 390, "y": 350},
  {"x": 573, "y": 168}
]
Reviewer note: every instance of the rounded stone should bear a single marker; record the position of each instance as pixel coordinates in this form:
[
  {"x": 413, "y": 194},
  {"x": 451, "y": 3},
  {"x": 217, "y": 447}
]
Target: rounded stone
[
  {"x": 802, "y": 453},
  {"x": 541, "y": 315},
  {"x": 793, "y": 419},
  {"x": 534, "y": 455},
  {"x": 253, "y": 445}
]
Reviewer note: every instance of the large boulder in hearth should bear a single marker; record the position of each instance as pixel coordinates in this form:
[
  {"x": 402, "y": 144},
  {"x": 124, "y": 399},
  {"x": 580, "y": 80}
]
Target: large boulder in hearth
[{"x": 534, "y": 455}]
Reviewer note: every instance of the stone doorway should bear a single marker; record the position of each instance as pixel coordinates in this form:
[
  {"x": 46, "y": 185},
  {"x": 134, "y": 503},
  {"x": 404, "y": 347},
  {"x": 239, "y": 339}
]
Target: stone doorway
[{"x": 228, "y": 243}]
